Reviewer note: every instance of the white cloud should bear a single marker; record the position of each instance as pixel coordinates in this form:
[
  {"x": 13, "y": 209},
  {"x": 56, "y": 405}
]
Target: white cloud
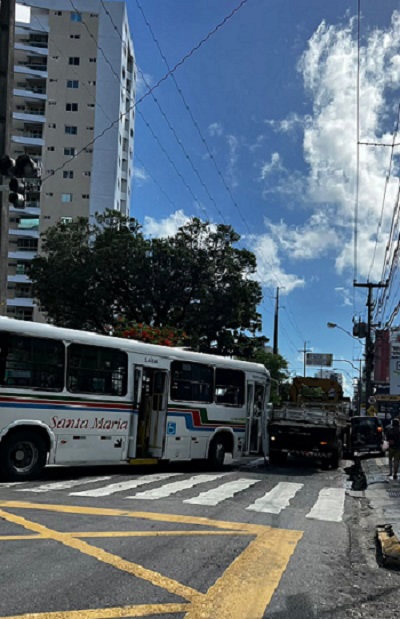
[
  {"x": 313, "y": 239},
  {"x": 144, "y": 81},
  {"x": 233, "y": 144},
  {"x": 164, "y": 227},
  {"x": 287, "y": 125},
  {"x": 275, "y": 165},
  {"x": 215, "y": 129},
  {"x": 346, "y": 295},
  {"x": 140, "y": 175},
  {"x": 329, "y": 71},
  {"x": 328, "y": 68},
  {"x": 270, "y": 271}
]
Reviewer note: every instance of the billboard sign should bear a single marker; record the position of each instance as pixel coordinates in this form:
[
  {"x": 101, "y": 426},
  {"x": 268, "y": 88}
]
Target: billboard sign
[{"x": 320, "y": 359}]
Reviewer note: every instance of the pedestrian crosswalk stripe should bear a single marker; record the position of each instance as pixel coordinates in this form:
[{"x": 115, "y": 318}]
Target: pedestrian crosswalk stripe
[
  {"x": 225, "y": 491},
  {"x": 176, "y": 486},
  {"x": 274, "y": 501},
  {"x": 63, "y": 485},
  {"x": 329, "y": 506},
  {"x": 124, "y": 485}
]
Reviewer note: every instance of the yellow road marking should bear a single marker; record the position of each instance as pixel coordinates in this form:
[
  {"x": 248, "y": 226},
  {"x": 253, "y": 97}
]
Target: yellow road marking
[
  {"x": 242, "y": 592},
  {"x": 141, "y": 610},
  {"x": 84, "y": 534},
  {"x": 246, "y": 587},
  {"x": 103, "y": 511},
  {"x": 155, "y": 578}
]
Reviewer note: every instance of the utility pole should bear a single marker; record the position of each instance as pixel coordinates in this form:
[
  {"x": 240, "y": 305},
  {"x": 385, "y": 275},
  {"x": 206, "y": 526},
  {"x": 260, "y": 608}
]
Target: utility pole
[
  {"x": 275, "y": 347},
  {"x": 7, "y": 28},
  {"x": 304, "y": 350},
  {"x": 369, "y": 345}
]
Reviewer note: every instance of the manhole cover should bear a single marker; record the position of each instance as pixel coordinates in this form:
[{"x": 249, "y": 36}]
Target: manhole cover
[{"x": 394, "y": 493}]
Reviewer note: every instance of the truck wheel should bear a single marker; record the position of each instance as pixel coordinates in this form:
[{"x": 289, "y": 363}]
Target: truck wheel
[
  {"x": 216, "y": 455},
  {"x": 277, "y": 457},
  {"x": 336, "y": 457},
  {"x": 23, "y": 456}
]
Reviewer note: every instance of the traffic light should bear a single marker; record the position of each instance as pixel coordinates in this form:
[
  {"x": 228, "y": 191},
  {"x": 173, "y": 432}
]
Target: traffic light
[
  {"x": 17, "y": 192},
  {"x": 26, "y": 167},
  {"x": 7, "y": 166}
]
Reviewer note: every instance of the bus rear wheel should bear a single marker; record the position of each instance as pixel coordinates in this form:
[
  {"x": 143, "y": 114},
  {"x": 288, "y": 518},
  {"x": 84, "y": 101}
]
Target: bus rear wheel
[
  {"x": 23, "y": 456},
  {"x": 216, "y": 455}
]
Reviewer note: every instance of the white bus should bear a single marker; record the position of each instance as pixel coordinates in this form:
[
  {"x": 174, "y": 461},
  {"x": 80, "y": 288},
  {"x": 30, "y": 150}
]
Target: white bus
[{"x": 72, "y": 397}]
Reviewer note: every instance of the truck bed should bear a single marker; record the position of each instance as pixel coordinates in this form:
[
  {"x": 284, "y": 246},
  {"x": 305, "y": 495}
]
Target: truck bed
[{"x": 320, "y": 415}]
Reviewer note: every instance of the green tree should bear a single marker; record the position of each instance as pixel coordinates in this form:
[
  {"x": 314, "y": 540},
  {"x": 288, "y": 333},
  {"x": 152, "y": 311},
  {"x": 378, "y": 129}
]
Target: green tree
[
  {"x": 197, "y": 281},
  {"x": 278, "y": 368}
]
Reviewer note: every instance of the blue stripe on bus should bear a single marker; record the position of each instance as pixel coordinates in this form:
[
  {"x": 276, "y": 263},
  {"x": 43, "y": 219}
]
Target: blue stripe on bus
[{"x": 189, "y": 423}]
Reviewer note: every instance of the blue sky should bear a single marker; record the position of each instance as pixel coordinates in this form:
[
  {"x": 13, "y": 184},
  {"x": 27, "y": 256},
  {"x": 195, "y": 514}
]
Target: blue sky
[{"x": 274, "y": 94}]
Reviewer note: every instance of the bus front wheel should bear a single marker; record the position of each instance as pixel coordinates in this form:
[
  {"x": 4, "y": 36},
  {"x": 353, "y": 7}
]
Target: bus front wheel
[{"x": 23, "y": 456}]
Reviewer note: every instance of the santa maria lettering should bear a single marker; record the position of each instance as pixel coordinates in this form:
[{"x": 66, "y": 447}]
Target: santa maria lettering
[{"x": 98, "y": 423}]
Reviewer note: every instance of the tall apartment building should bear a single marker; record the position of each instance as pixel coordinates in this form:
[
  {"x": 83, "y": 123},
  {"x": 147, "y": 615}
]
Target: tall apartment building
[{"x": 65, "y": 95}]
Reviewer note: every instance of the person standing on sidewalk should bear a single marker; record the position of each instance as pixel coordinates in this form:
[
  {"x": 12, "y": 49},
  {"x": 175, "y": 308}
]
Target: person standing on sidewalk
[{"x": 393, "y": 437}]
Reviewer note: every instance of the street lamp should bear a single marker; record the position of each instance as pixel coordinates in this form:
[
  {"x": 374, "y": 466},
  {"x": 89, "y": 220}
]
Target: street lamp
[{"x": 333, "y": 325}]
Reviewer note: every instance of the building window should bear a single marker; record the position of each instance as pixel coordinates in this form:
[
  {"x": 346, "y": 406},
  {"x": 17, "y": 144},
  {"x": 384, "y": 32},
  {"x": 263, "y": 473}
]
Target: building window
[
  {"x": 50, "y": 148},
  {"x": 76, "y": 17},
  {"x": 75, "y": 60},
  {"x": 92, "y": 59},
  {"x": 55, "y": 57},
  {"x": 89, "y": 128},
  {"x": 71, "y": 107},
  {"x": 90, "y": 105},
  {"x": 69, "y": 151},
  {"x": 51, "y": 172},
  {"x": 191, "y": 382},
  {"x": 52, "y": 102},
  {"x": 71, "y": 130},
  {"x": 85, "y": 196},
  {"x": 68, "y": 174},
  {"x": 87, "y": 174},
  {"x": 92, "y": 369},
  {"x": 66, "y": 197},
  {"x": 92, "y": 82},
  {"x": 27, "y": 244},
  {"x": 72, "y": 84},
  {"x": 52, "y": 125},
  {"x": 93, "y": 14},
  {"x": 47, "y": 217},
  {"x": 20, "y": 268},
  {"x": 58, "y": 13},
  {"x": 49, "y": 194},
  {"x": 66, "y": 220},
  {"x": 53, "y": 79},
  {"x": 88, "y": 150},
  {"x": 74, "y": 36}
]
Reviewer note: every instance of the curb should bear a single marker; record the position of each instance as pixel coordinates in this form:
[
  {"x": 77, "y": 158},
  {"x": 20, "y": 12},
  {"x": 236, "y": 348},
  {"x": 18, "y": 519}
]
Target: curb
[{"x": 389, "y": 544}]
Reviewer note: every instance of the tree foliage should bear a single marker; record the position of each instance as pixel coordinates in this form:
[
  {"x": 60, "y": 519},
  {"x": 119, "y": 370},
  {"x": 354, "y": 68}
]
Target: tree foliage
[
  {"x": 278, "y": 368},
  {"x": 90, "y": 276}
]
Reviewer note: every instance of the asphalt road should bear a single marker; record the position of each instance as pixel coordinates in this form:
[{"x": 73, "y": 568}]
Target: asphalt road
[{"x": 246, "y": 543}]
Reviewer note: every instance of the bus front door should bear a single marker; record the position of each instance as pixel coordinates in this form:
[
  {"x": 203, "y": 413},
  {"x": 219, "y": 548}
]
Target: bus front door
[{"x": 152, "y": 413}]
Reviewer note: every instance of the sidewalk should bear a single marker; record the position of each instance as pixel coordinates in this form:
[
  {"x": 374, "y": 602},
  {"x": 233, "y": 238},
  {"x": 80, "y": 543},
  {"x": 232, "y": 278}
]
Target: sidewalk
[{"x": 383, "y": 494}]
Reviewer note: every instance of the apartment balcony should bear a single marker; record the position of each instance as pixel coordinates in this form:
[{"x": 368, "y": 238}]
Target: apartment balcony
[
  {"x": 20, "y": 254},
  {"x": 32, "y": 116},
  {"x": 35, "y": 70},
  {"x": 30, "y": 233},
  {"x": 19, "y": 279},
  {"x": 27, "y": 139},
  {"x": 35, "y": 95},
  {"x": 33, "y": 211},
  {"x": 21, "y": 302},
  {"x": 31, "y": 49}
]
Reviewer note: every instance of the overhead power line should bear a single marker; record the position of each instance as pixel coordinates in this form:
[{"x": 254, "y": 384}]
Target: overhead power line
[{"x": 157, "y": 85}]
